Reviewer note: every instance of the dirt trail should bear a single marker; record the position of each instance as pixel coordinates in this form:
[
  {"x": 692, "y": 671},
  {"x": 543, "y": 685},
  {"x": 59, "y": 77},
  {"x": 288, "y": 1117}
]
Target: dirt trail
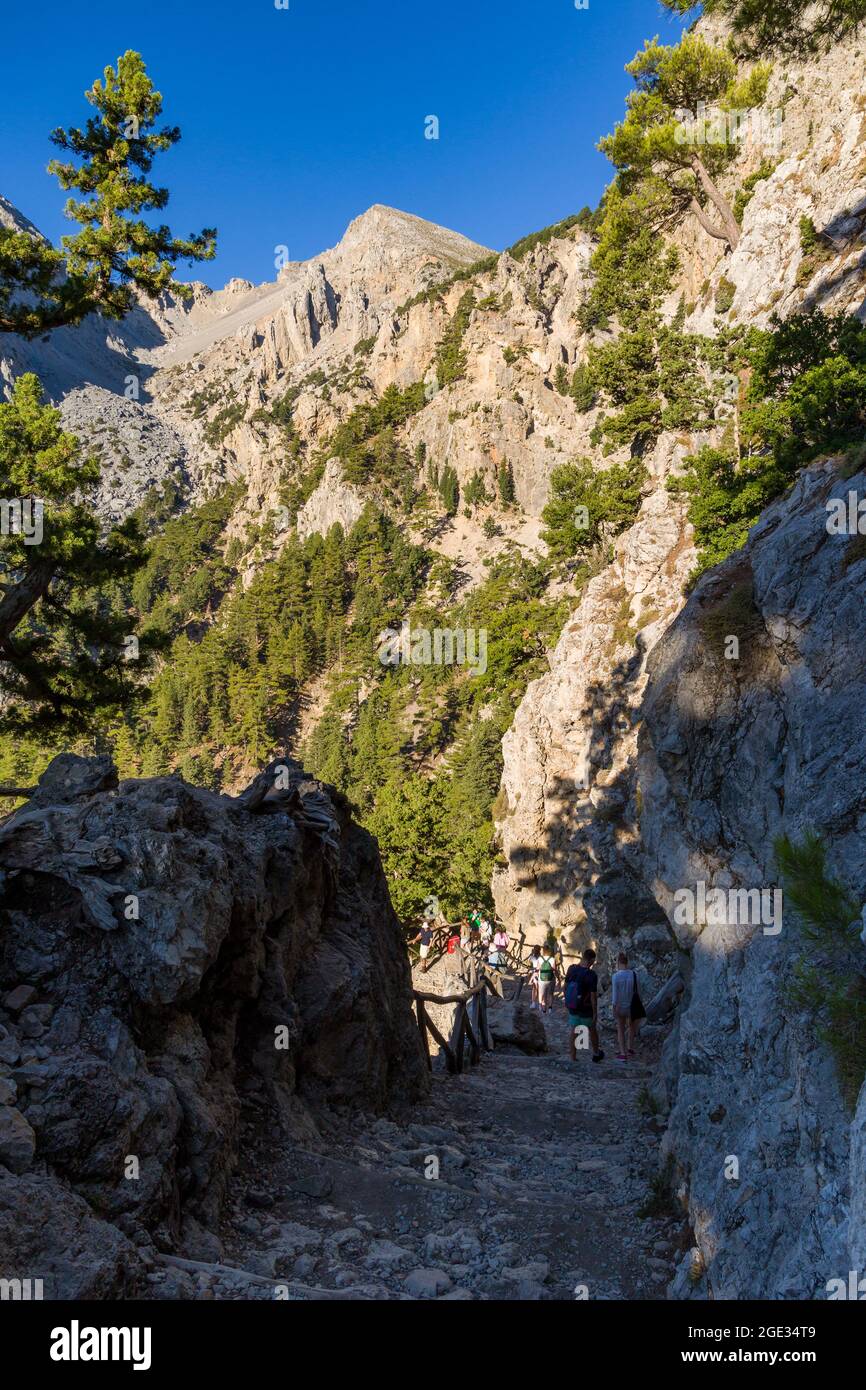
[{"x": 542, "y": 1167}]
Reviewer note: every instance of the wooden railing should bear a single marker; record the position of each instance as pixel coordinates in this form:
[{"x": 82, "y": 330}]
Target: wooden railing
[{"x": 470, "y": 1026}]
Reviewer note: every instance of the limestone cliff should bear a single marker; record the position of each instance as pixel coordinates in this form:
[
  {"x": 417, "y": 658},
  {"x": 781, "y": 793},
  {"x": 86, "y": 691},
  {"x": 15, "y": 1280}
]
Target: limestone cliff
[{"x": 643, "y": 762}]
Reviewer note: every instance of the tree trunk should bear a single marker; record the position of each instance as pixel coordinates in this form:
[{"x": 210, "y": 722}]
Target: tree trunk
[
  {"x": 718, "y": 232},
  {"x": 21, "y": 597},
  {"x": 731, "y": 231}
]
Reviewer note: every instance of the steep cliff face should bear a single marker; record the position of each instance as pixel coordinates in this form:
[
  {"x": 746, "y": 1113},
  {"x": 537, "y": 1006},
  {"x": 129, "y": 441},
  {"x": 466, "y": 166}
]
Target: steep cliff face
[
  {"x": 820, "y": 146},
  {"x": 643, "y": 762},
  {"x": 171, "y": 963},
  {"x": 181, "y": 392},
  {"x": 568, "y": 804},
  {"x": 732, "y": 754},
  {"x": 367, "y": 325}
]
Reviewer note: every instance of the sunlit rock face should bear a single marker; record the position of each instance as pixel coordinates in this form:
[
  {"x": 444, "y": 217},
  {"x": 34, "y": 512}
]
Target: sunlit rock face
[{"x": 644, "y": 762}]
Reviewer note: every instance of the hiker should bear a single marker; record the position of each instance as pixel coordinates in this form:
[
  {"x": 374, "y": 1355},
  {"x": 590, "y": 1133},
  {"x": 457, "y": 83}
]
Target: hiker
[
  {"x": 627, "y": 1006},
  {"x": 581, "y": 1001},
  {"x": 546, "y": 981},
  {"x": 423, "y": 941},
  {"x": 486, "y": 933},
  {"x": 500, "y": 943},
  {"x": 534, "y": 964}
]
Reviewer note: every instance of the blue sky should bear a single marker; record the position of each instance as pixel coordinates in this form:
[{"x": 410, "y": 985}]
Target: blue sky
[{"x": 295, "y": 121}]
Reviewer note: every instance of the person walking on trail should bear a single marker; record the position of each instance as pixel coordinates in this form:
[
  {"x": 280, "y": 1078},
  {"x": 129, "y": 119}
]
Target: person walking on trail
[
  {"x": 499, "y": 949},
  {"x": 546, "y": 981},
  {"x": 581, "y": 1001},
  {"x": 534, "y": 964},
  {"x": 627, "y": 1007},
  {"x": 423, "y": 941}
]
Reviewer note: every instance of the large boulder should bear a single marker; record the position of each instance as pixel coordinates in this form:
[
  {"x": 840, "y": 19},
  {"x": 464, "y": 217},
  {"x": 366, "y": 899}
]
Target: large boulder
[
  {"x": 517, "y": 1024},
  {"x": 164, "y": 952}
]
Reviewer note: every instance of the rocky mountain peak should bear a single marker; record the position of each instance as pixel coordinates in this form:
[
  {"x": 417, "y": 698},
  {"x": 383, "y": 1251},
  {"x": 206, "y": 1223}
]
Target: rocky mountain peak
[
  {"x": 411, "y": 235},
  {"x": 16, "y": 221}
]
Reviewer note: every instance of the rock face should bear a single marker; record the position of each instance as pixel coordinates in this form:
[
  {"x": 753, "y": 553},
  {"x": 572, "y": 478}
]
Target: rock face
[
  {"x": 700, "y": 763},
  {"x": 182, "y": 955},
  {"x": 643, "y": 762},
  {"x": 569, "y": 807},
  {"x": 733, "y": 753},
  {"x": 334, "y": 502}
]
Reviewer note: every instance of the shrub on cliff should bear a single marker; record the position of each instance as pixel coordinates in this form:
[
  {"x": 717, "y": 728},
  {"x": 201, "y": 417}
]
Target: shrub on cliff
[
  {"x": 806, "y": 396},
  {"x": 829, "y": 983},
  {"x": 588, "y": 504}
]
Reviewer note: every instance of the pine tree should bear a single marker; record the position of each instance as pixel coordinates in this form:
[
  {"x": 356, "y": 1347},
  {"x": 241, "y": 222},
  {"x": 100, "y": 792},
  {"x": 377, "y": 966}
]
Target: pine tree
[
  {"x": 584, "y": 500},
  {"x": 794, "y": 26},
  {"x": 116, "y": 253},
  {"x": 505, "y": 478},
  {"x": 560, "y": 379},
  {"x": 64, "y": 651},
  {"x": 449, "y": 490},
  {"x": 63, "y": 644},
  {"x": 582, "y": 390},
  {"x": 660, "y": 141}
]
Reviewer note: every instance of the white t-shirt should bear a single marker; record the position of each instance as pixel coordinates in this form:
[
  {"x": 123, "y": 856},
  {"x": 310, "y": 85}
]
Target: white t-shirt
[
  {"x": 550, "y": 963},
  {"x": 622, "y": 989}
]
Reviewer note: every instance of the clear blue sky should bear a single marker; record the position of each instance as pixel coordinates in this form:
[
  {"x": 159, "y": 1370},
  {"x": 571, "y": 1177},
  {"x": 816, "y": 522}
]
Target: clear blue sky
[{"x": 295, "y": 121}]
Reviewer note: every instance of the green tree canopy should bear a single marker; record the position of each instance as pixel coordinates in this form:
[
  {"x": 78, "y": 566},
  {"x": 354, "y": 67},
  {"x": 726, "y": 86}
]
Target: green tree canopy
[
  {"x": 586, "y": 504},
  {"x": 62, "y": 648},
  {"x": 790, "y": 25},
  {"x": 661, "y": 140},
  {"x": 116, "y": 252}
]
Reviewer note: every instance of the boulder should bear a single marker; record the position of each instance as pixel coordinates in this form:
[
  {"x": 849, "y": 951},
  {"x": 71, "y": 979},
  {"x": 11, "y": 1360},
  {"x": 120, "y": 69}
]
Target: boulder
[
  {"x": 17, "y": 1140},
  {"x": 517, "y": 1024},
  {"x": 427, "y": 1283},
  {"x": 186, "y": 949}
]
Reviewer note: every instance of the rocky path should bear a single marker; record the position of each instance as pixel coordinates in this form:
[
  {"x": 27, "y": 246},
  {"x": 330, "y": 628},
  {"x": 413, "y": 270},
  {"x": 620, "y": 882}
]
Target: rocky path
[{"x": 521, "y": 1179}]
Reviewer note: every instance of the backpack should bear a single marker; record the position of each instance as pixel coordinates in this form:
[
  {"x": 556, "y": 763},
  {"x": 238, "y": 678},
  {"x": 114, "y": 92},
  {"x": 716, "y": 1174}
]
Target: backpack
[
  {"x": 578, "y": 994},
  {"x": 546, "y": 971}
]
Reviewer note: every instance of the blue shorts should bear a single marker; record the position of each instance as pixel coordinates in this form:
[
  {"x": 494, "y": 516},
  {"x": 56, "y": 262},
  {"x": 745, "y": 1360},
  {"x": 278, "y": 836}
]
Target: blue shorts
[{"x": 578, "y": 1021}]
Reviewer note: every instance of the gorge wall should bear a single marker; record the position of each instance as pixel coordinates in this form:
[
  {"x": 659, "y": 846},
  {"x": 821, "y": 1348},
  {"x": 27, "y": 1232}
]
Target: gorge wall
[
  {"x": 174, "y": 964},
  {"x": 644, "y": 762},
  {"x": 731, "y": 755}
]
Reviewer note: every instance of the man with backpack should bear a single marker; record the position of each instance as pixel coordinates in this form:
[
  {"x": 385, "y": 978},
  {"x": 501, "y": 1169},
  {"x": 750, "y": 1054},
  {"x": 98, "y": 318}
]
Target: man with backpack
[{"x": 581, "y": 1001}]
